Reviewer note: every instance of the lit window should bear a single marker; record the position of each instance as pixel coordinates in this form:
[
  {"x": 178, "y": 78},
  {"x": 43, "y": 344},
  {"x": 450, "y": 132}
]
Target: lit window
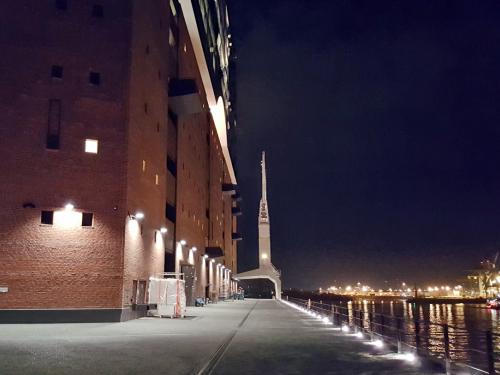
[
  {"x": 144, "y": 165},
  {"x": 157, "y": 180},
  {"x": 91, "y": 146}
]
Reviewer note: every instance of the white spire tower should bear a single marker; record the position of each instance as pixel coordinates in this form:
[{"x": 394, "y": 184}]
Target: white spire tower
[
  {"x": 266, "y": 269},
  {"x": 264, "y": 227}
]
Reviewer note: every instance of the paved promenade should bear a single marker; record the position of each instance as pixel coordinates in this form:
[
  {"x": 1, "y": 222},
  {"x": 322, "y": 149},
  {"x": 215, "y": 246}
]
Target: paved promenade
[{"x": 242, "y": 337}]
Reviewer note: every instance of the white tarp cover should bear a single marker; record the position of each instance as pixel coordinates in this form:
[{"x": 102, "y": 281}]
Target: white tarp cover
[{"x": 169, "y": 296}]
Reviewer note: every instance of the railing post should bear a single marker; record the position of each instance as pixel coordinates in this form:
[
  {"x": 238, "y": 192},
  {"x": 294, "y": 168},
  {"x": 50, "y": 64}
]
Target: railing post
[
  {"x": 382, "y": 323},
  {"x": 398, "y": 323},
  {"x": 370, "y": 318},
  {"x": 417, "y": 334},
  {"x": 490, "y": 353},
  {"x": 447, "y": 349}
]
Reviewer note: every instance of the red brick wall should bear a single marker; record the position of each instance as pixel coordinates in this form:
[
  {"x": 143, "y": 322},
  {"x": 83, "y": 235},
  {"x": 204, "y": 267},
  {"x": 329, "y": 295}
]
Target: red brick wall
[
  {"x": 53, "y": 266},
  {"x": 147, "y": 141}
]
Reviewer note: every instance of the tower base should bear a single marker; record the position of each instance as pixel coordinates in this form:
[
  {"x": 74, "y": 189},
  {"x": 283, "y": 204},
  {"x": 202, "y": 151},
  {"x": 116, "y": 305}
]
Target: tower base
[{"x": 267, "y": 273}]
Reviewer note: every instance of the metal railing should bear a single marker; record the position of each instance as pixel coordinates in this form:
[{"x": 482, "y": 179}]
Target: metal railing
[{"x": 474, "y": 349}]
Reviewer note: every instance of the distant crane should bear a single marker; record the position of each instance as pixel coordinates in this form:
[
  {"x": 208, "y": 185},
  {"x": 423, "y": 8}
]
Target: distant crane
[{"x": 489, "y": 272}]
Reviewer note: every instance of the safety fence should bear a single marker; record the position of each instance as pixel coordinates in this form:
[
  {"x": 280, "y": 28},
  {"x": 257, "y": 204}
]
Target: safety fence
[{"x": 456, "y": 347}]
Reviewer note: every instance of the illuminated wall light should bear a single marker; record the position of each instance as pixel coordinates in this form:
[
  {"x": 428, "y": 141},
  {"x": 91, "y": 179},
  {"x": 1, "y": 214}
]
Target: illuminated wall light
[
  {"x": 213, "y": 261},
  {"x": 183, "y": 242},
  {"x": 194, "y": 248},
  {"x": 91, "y": 146},
  {"x": 69, "y": 207},
  {"x": 378, "y": 343},
  {"x": 410, "y": 357},
  {"x": 264, "y": 256},
  {"x": 205, "y": 256},
  {"x": 139, "y": 215},
  {"x": 163, "y": 230}
]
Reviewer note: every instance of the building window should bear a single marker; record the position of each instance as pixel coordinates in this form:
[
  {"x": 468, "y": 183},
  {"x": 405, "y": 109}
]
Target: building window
[
  {"x": 95, "y": 78},
  {"x": 145, "y": 107},
  {"x": 54, "y": 124},
  {"x": 172, "y": 8},
  {"x": 171, "y": 38},
  {"x": 171, "y": 166},
  {"x": 157, "y": 179},
  {"x": 87, "y": 219},
  {"x": 170, "y": 212},
  {"x": 56, "y": 71},
  {"x": 61, "y": 4},
  {"x": 173, "y": 117},
  {"x": 91, "y": 146},
  {"x": 97, "y": 11},
  {"x": 47, "y": 217},
  {"x": 147, "y": 49},
  {"x": 158, "y": 127},
  {"x": 144, "y": 165}
]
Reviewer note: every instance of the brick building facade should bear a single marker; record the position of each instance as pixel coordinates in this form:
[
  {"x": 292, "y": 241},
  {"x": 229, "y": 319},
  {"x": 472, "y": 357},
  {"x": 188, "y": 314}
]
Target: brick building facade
[{"x": 114, "y": 155}]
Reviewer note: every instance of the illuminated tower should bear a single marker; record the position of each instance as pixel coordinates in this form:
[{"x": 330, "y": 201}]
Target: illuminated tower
[
  {"x": 264, "y": 227},
  {"x": 266, "y": 269}
]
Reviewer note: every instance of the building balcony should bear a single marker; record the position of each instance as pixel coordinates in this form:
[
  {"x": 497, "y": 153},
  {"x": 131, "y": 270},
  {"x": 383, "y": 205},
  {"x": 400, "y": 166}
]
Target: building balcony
[
  {"x": 228, "y": 189},
  {"x": 214, "y": 251},
  {"x": 237, "y": 237},
  {"x": 183, "y": 97}
]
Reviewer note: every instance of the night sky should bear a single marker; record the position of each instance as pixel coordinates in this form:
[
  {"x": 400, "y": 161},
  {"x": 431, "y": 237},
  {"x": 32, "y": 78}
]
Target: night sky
[{"x": 381, "y": 123}]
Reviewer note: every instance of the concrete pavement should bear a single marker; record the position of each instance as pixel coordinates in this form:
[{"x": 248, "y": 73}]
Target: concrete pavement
[{"x": 241, "y": 337}]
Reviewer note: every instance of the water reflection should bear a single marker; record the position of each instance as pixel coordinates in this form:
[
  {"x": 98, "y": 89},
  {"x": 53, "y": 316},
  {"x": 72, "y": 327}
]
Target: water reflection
[{"x": 467, "y": 326}]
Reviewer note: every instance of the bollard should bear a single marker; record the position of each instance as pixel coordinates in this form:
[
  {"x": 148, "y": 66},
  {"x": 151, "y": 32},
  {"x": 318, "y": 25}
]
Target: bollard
[
  {"x": 490, "y": 353},
  {"x": 447, "y": 359},
  {"x": 398, "y": 322}
]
